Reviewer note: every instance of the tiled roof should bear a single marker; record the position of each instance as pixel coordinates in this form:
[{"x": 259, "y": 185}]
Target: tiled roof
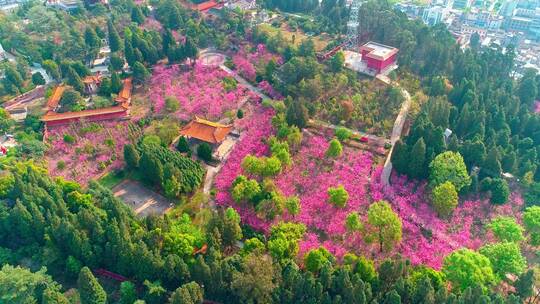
[
  {"x": 205, "y": 130},
  {"x": 201, "y": 7},
  {"x": 54, "y": 100},
  {"x": 125, "y": 94},
  {"x": 52, "y": 116},
  {"x": 92, "y": 79}
]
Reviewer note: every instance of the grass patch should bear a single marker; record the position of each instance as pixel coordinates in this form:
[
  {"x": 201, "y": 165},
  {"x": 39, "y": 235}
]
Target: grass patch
[{"x": 112, "y": 179}]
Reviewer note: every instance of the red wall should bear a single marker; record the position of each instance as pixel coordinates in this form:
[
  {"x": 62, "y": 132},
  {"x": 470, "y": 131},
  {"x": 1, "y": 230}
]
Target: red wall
[
  {"x": 116, "y": 115},
  {"x": 378, "y": 64}
]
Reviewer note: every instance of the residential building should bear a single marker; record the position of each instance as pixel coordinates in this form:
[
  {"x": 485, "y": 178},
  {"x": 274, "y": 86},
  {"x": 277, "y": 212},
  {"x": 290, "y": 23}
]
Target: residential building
[{"x": 462, "y": 4}]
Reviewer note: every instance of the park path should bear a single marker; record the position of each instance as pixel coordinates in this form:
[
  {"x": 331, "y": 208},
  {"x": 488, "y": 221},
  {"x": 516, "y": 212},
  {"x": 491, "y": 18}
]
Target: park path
[
  {"x": 396, "y": 134},
  {"x": 211, "y": 172}
]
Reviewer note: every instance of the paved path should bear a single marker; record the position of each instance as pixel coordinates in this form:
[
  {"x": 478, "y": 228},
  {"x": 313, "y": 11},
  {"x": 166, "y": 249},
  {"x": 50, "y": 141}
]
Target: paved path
[
  {"x": 396, "y": 135},
  {"x": 211, "y": 172},
  {"x": 244, "y": 82}
]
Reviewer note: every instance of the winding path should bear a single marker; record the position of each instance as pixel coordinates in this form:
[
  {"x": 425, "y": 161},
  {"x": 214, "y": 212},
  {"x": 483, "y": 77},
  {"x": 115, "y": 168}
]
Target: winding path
[{"x": 396, "y": 134}]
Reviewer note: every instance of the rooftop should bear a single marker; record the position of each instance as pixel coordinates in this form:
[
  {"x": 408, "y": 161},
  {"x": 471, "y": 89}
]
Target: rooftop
[
  {"x": 54, "y": 100},
  {"x": 52, "y": 116},
  {"x": 125, "y": 95},
  {"x": 204, "y": 6},
  {"x": 378, "y": 50},
  {"x": 205, "y": 130}
]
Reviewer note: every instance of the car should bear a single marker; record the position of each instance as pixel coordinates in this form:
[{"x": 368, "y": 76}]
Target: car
[{"x": 364, "y": 139}]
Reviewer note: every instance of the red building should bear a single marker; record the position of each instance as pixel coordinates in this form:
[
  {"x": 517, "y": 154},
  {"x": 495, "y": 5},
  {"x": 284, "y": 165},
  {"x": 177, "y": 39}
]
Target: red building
[
  {"x": 120, "y": 111},
  {"x": 378, "y": 56}
]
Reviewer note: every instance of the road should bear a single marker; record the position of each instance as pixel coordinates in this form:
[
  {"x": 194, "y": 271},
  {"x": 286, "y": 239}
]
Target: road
[
  {"x": 244, "y": 82},
  {"x": 396, "y": 135}
]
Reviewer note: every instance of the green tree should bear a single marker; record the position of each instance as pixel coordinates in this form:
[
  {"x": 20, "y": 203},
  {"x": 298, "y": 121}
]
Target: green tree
[
  {"x": 449, "y": 166},
  {"x": 525, "y": 285},
  {"x": 105, "y": 87},
  {"x": 315, "y": 259},
  {"x": 90, "y": 38},
  {"x": 140, "y": 73},
  {"x": 464, "y": 268},
  {"x": 190, "y": 49},
  {"x": 492, "y": 164},
  {"x": 334, "y": 149},
  {"x": 338, "y": 196},
  {"x": 417, "y": 160},
  {"x": 137, "y": 15},
  {"x": 6, "y": 122},
  {"x": 13, "y": 77},
  {"x": 190, "y": 293},
  {"x": 337, "y": 61},
  {"x": 114, "y": 39},
  {"x": 89, "y": 288},
  {"x": 385, "y": 225},
  {"x": 204, "y": 152},
  {"x": 445, "y": 199},
  {"x": 172, "y": 104},
  {"x": 128, "y": 293},
  {"x": 297, "y": 114},
  {"x": 152, "y": 168},
  {"x": 131, "y": 156},
  {"x": 183, "y": 145},
  {"x": 245, "y": 189},
  {"x": 505, "y": 258},
  {"x": 527, "y": 89},
  {"x": 20, "y": 286},
  {"x": 116, "y": 83},
  {"x": 52, "y": 69},
  {"x": 499, "y": 191},
  {"x": 70, "y": 101},
  {"x": 353, "y": 223},
  {"x": 154, "y": 293},
  {"x": 343, "y": 133},
  {"x": 74, "y": 80},
  {"x": 256, "y": 281},
  {"x": 38, "y": 79},
  {"x": 232, "y": 232},
  {"x": 117, "y": 62},
  {"x": 506, "y": 229},
  {"x": 531, "y": 221},
  {"x": 284, "y": 237},
  {"x": 292, "y": 204}
]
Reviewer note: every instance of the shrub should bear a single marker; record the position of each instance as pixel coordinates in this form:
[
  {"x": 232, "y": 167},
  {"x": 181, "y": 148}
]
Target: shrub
[
  {"x": 335, "y": 149},
  {"x": 338, "y": 196},
  {"x": 69, "y": 139},
  {"x": 343, "y": 133},
  {"x": 61, "y": 165},
  {"x": 239, "y": 114},
  {"x": 172, "y": 104},
  {"x": 506, "y": 229}
]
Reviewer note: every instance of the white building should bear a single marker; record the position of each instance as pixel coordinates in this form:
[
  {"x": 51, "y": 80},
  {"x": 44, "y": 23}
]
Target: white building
[{"x": 434, "y": 15}]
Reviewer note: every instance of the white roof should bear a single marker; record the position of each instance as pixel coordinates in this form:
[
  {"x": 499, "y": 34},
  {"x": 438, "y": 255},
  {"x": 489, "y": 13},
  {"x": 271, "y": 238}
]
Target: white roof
[{"x": 379, "y": 49}]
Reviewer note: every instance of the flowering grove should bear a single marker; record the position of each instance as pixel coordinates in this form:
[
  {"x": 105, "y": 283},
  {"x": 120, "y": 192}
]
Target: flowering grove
[
  {"x": 200, "y": 91},
  {"x": 83, "y": 151},
  {"x": 427, "y": 239}
]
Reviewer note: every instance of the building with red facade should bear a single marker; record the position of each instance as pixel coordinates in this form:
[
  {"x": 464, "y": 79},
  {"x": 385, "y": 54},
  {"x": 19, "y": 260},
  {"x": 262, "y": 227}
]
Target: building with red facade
[
  {"x": 119, "y": 111},
  {"x": 378, "y": 57}
]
